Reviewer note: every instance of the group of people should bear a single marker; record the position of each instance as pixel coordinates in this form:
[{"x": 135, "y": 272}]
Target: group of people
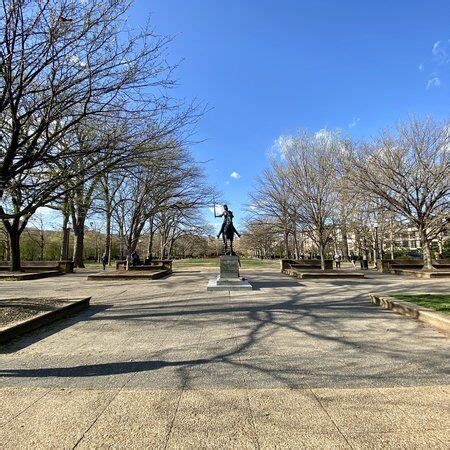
[
  {"x": 132, "y": 260},
  {"x": 338, "y": 258}
]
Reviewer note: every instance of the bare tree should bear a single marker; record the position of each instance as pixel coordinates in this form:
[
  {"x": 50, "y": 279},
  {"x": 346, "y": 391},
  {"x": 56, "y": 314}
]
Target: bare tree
[
  {"x": 312, "y": 167},
  {"x": 165, "y": 183},
  {"x": 4, "y": 243},
  {"x": 409, "y": 170},
  {"x": 37, "y": 234},
  {"x": 272, "y": 200},
  {"x": 66, "y": 62},
  {"x": 260, "y": 238},
  {"x": 110, "y": 183}
]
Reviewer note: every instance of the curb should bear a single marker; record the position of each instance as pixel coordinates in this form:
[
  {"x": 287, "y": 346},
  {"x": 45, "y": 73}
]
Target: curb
[
  {"x": 112, "y": 276},
  {"x": 31, "y": 275},
  {"x": 42, "y": 320},
  {"x": 434, "y": 319},
  {"x": 314, "y": 275}
]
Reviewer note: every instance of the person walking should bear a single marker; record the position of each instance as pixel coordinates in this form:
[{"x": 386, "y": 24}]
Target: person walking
[
  {"x": 104, "y": 260},
  {"x": 353, "y": 260},
  {"x": 135, "y": 260},
  {"x": 337, "y": 259}
]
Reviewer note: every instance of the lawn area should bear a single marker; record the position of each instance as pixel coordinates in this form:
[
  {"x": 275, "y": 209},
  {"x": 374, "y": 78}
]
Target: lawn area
[
  {"x": 214, "y": 262},
  {"x": 439, "y": 303}
]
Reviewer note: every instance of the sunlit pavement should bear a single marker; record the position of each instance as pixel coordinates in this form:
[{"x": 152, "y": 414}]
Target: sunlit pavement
[{"x": 166, "y": 364}]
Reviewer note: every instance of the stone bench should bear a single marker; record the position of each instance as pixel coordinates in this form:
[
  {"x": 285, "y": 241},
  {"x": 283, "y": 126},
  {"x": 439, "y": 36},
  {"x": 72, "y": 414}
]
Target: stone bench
[
  {"x": 407, "y": 266},
  {"x": 390, "y": 265},
  {"x": 41, "y": 266},
  {"x": 155, "y": 264},
  {"x": 305, "y": 264},
  {"x": 441, "y": 263}
]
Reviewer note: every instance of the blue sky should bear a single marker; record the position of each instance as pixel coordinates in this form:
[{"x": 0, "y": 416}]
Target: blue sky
[{"x": 268, "y": 68}]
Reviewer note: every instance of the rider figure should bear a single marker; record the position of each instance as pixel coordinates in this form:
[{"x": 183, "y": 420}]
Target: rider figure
[{"x": 227, "y": 220}]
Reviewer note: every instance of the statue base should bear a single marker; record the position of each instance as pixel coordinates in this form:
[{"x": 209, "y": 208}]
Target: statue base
[{"x": 228, "y": 279}]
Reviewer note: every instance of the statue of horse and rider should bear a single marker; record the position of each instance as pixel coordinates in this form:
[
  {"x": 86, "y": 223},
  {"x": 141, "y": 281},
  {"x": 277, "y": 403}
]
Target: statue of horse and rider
[{"x": 227, "y": 230}]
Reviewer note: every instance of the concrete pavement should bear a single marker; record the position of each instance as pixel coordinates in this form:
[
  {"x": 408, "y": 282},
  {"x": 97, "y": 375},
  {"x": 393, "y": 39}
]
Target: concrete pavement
[{"x": 166, "y": 364}]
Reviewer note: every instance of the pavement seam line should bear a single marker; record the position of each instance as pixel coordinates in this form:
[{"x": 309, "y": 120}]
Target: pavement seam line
[
  {"x": 331, "y": 418},
  {"x": 252, "y": 419},
  {"x": 99, "y": 415},
  {"x": 29, "y": 406},
  {"x": 408, "y": 415},
  {"x": 173, "y": 420}
]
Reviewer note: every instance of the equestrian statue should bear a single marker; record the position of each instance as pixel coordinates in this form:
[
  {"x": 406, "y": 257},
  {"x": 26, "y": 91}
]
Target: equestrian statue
[{"x": 227, "y": 230}]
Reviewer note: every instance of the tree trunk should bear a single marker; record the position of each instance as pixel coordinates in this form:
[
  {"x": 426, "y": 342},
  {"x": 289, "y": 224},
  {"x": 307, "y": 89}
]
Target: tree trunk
[
  {"x": 345, "y": 252},
  {"x": 42, "y": 245},
  {"x": 65, "y": 210},
  {"x": 392, "y": 241},
  {"x": 14, "y": 230},
  {"x": 151, "y": 234},
  {"x": 322, "y": 255},
  {"x": 122, "y": 240},
  {"x": 108, "y": 235},
  {"x": 78, "y": 245},
  {"x": 64, "y": 255},
  {"x": 163, "y": 247},
  {"x": 7, "y": 250},
  {"x": 14, "y": 239},
  {"x": 296, "y": 246},
  {"x": 150, "y": 244},
  {"x": 286, "y": 243},
  {"x": 169, "y": 251},
  {"x": 427, "y": 264}
]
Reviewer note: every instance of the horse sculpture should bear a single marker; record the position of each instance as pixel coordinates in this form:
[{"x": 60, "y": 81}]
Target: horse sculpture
[{"x": 227, "y": 230}]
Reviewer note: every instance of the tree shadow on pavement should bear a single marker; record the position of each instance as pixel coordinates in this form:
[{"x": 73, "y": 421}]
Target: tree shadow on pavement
[
  {"x": 346, "y": 333},
  {"x": 34, "y": 336}
]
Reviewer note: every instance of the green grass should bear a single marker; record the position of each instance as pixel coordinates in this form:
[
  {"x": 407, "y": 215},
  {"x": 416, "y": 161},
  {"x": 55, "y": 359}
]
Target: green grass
[
  {"x": 204, "y": 262},
  {"x": 436, "y": 302},
  {"x": 214, "y": 262}
]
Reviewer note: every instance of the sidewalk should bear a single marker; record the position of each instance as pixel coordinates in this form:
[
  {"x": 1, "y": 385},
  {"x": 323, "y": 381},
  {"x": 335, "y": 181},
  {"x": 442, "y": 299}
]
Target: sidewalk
[{"x": 301, "y": 364}]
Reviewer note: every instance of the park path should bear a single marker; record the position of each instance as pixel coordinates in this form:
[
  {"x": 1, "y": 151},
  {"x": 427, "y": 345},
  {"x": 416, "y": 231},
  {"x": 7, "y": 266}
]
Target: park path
[{"x": 166, "y": 364}]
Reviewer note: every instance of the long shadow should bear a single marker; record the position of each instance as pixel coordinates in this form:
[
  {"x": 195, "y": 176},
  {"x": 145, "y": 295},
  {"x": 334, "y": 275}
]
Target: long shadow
[
  {"x": 95, "y": 370},
  {"x": 37, "y": 335},
  {"x": 321, "y": 321}
]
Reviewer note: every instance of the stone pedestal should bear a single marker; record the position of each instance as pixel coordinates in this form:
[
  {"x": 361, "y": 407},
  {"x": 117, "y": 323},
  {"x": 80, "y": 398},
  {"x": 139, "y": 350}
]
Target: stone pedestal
[{"x": 228, "y": 279}]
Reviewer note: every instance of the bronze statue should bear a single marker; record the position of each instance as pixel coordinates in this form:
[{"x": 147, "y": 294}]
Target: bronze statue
[{"x": 227, "y": 230}]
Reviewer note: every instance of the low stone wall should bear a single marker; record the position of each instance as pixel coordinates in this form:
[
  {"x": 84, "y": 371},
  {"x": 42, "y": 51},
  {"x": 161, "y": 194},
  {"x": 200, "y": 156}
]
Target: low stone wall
[
  {"x": 390, "y": 265},
  {"x": 39, "y": 266},
  {"x": 15, "y": 330},
  {"x": 289, "y": 264},
  {"x": 155, "y": 264},
  {"x": 435, "y": 319}
]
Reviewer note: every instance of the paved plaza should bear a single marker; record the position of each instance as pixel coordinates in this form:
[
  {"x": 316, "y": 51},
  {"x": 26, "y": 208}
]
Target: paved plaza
[{"x": 163, "y": 363}]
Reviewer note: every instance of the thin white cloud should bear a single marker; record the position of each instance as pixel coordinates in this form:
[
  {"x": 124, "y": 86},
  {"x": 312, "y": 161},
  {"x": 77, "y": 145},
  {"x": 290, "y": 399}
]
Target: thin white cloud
[
  {"x": 420, "y": 67},
  {"x": 441, "y": 52},
  {"x": 435, "y": 50},
  {"x": 433, "y": 82},
  {"x": 235, "y": 175},
  {"x": 227, "y": 182},
  {"x": 354, "y": 122},
  {"x": 281, "y": 146}
]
